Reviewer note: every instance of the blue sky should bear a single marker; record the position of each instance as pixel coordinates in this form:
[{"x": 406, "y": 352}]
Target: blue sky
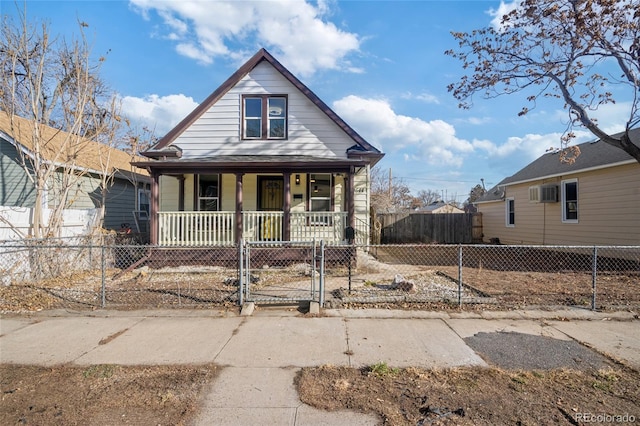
[{"x": 379, "y": 64}]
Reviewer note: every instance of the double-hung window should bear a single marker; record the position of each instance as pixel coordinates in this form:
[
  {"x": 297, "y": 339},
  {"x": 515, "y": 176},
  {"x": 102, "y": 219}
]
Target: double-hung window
[
  {"x": 264, "y": 117},
  {"x": 320, "y": 198},
  {"x": 510, "y": 212},
  {"x": 208, "y": 192},
  {"x": 570, "y": 201},
  {"x": 144, "y": 204}
]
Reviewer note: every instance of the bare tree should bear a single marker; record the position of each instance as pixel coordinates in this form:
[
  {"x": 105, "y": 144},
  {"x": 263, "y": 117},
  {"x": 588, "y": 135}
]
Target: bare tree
[
  {"x": 428, "y": 196},
  {"x": 389, "y": 195},
  {"x": 48, "y": 84},
  {"x": 562, "y": 49}
]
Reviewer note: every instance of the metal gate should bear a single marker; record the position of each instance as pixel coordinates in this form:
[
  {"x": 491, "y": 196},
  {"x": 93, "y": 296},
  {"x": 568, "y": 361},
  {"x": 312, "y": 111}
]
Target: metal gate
[{"x": 282, "y": 272}]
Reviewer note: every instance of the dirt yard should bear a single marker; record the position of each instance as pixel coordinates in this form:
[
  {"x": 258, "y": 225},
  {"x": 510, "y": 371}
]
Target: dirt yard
[
  {"x": 473, "y": 396},
  {"x": 101, "y": 394},
  {"x": 169, "y": 395}
]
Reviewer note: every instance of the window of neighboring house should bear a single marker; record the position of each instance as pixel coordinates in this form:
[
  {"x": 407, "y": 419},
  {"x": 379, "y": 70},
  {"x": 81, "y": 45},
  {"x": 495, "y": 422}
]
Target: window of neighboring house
[
  {"x": 208, "y": 192},
  {"x": 320, "y": 198},
  {"x": 510, "y": 212},
  {"x": 570, "y": 201},
  {"x": 144, "y": 202},
  {"x": 264, "y": 117}
]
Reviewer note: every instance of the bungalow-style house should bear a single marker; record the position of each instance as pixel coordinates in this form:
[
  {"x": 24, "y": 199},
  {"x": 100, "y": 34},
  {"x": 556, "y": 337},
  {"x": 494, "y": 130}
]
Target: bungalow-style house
[
  {"x": 127, "y": 197},
  {"x": 594, "y": 201},
  {"x": 261, "y": 159}
]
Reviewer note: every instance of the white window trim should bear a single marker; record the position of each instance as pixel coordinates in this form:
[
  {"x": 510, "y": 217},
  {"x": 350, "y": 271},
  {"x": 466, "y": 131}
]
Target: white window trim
[
  {"x": 507, "y": 213},
  {"x": 143, "y": 214},
  {"x": 327, "y": 219},
  {"x": 564, "y": 200}
]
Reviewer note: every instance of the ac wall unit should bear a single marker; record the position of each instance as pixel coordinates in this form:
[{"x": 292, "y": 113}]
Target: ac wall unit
[{"x": 543, "y": 194}]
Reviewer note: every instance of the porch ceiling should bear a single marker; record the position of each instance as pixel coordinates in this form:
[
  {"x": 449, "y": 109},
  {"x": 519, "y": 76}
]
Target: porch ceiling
[{"x": 252, "y": 164}]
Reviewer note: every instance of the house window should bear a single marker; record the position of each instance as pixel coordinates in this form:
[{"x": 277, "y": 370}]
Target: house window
[
  {"x": 570, "y": 201},
  {"x": 144, "y": 205},
  {"x": 264, "y": 117},
  {"x": 320, "y": 198},
  {"x": 510, "y": 212},
  {"x": 208, "y": 193}
]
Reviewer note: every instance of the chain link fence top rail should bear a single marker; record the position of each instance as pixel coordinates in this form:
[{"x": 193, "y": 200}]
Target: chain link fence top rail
[{"x": 40, "y": 275}]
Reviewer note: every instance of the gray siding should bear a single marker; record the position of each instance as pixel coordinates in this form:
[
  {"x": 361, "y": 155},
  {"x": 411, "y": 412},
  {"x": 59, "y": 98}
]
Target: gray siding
[
  {"x": 121, "y": 202},
  {"x": 15, "y": 188}
]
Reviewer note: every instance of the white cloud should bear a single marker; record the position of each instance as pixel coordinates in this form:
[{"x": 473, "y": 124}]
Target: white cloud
[
  {"x": 611, "y": 118},
  {"x": 424, "y": 97},
  {"x": 522, "y": 150},
  {"x": 160, "y": 113},
  {"x": 477, "y": 121},
  {"x": 434, "y": 141},
  {"x": 503, "y": 9},
  {"x": 294, "y": 30}
]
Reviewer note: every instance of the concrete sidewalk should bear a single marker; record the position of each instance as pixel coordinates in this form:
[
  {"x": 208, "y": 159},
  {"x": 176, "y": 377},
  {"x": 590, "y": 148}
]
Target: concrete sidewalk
[{"x": 262, "y": 353}]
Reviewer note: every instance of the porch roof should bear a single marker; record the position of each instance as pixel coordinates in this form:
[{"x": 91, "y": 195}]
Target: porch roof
[{"x": 252, "y": 164}]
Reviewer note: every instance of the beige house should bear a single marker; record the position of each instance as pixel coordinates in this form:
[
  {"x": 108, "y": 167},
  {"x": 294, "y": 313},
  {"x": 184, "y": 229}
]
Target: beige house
[
  {"x": 594, "y": 201},
  {"x": 440, "y": 207},
  {"x": 261, "y": 159}
]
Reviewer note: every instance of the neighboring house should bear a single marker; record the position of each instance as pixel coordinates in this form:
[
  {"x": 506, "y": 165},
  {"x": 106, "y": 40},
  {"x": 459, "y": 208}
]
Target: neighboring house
[
  {"x": 127, "y": 193},
  {"x": 439, "y": 207},
  {"x": 261, "y": 159},
  {"x": 594, "y": 201}
]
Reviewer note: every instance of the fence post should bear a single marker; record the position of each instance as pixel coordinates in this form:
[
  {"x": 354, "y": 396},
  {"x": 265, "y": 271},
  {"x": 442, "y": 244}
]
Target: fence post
[
  {"x": 460, "y": 275},
  {"x": 321, "y": 289},
  {"x": 594, "y": 273},
  {"x": 314, "y": 260},
  {"x": 103, "y": 267},
  {"x": 247, "y": 270},
  {"x": 240, "y": 274}
]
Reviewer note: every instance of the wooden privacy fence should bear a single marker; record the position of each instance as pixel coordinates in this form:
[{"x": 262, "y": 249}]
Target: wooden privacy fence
[{"x": 445, "y": 228}]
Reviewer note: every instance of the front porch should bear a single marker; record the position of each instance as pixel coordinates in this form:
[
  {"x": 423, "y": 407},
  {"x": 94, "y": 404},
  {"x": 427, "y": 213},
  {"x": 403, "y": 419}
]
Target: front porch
[{"x": 218, "y": 228}]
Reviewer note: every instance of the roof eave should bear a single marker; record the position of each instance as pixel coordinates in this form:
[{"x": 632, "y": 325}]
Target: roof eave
[{"x": 570, "y": 172}]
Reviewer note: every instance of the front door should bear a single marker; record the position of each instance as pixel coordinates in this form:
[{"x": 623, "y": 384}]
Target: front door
[
  {"x": 270, "y": 193},
  {"x": 270, "y": 199}
]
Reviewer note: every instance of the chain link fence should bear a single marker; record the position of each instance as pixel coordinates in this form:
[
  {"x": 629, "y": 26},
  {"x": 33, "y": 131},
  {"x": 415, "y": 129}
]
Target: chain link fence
[
  {"x": 282, "y": 273},
  {"x": 488, "y": 276},
  {"x": 38, "y": 275}
]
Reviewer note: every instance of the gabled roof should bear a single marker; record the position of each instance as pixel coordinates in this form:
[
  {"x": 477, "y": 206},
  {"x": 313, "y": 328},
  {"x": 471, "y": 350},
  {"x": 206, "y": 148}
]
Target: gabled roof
[
  {"x": 361, "y": 147},
  {"x": 593, "y": 155},
  {"x": 90, "y": 154}
]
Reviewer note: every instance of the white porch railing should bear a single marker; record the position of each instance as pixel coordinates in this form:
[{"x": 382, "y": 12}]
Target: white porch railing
[
  {"x": 195, "y": 228},
  {"x": 262, "y": 226},
  {"x": 217, "y": 228},
  {"x": 327, "y": 226}
]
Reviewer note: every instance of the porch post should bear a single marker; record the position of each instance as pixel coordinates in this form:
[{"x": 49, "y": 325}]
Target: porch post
[
  {"x": 181, "y": 193},
  {"x": 351, "y": 202},
  {"x": 239, "y": 207},
  {"x": 155, "y": 207},
  {"x": 286, "y": 208}
]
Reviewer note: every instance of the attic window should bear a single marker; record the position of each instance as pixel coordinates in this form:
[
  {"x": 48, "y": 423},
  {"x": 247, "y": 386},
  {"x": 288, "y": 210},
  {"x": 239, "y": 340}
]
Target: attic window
[{"x": 264, "y": 117}]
